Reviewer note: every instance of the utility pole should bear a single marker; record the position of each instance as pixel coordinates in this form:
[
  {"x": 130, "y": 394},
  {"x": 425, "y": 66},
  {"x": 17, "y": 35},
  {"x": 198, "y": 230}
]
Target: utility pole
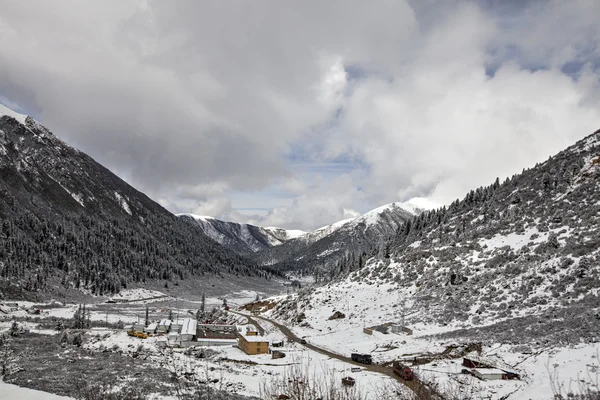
[{"x": 147, "y": 321}]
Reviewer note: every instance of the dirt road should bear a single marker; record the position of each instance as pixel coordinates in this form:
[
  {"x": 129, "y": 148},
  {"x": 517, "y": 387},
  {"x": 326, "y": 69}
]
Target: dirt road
[{"x": 418, "y": 387}]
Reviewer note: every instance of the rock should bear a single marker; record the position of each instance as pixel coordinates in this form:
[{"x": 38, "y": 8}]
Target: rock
[
  {"x": 300, "y": 317},
  {"x": 337, "y": 315}
]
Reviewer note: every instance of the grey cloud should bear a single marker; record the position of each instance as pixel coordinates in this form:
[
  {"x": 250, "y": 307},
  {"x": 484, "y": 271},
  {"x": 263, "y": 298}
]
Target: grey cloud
[{"x": 194, "y": 99}]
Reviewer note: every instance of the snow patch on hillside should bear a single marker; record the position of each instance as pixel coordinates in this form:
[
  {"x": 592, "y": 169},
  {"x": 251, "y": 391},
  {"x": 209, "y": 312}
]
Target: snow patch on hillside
[{"x": 123, "y": 203}]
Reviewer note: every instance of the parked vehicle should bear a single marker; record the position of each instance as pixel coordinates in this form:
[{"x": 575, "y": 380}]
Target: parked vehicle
[
  {"x": 403, "y": 371},
  {"x": 361, "y": 358}
]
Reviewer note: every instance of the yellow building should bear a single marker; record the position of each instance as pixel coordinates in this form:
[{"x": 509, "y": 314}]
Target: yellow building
[{"x": 252, "y": 345}]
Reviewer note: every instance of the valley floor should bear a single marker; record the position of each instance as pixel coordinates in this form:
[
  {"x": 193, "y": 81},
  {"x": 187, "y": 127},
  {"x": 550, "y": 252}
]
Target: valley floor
[
  {"x": 37, "y": 353},
  {"x": 437, "y": 351}
]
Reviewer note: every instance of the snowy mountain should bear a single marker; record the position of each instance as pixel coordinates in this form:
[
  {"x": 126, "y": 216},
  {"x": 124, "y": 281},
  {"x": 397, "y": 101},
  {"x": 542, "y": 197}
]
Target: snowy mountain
[
  {"x": 352, "y": 239},
  {"x": 515, "y": 262},
  {"x": 67, "y": 220},
  {"x": 242, "y": 238}
]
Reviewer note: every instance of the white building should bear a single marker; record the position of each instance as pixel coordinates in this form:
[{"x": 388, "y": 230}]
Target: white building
[
  {"x": 488, "y": 374},
  {"x": 163, "y": 326},
  {"x": 188, "y": 329},
  {"x": 176, "y": 326},
  {"x": 151, "y": 329}
]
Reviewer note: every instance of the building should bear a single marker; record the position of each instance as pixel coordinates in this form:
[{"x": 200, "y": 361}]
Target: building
[
  {"x": 138, "y": 328},
  {"x": 476, "y": 362},
  {"x": 397, "y": 328},
  {"x": 188, "y": 329},
  {"x": 163, "y": 326},
  {"x": 251, "y": 331},
  {"x": 151, "y": 329},
  {"x": 176, "y": 326},
  {"x": 215, "y": 331},
  {"x": 253, "y": 344},
  {"x": 489, "y": 374}
]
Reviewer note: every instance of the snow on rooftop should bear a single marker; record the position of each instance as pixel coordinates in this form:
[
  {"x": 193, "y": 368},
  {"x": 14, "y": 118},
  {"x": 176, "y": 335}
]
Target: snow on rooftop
[
  {"x": 7, "y": 111},
  {"x": 189, "y": 326},
  {"x": 254, "y": 339},
  {"x": 488, "y": 371}
]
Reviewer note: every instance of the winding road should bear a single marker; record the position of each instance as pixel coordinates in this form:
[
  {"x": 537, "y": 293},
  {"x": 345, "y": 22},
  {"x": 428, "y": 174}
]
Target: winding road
[{"x": 418, "y": 387}]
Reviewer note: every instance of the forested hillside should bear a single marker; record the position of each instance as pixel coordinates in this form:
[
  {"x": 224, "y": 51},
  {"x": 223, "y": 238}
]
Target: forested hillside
[{"x": 65, "y": 219}]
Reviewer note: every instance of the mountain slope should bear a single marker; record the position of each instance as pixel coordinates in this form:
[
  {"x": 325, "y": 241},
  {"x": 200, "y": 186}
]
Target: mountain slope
[
  {"x": 65, "y": 218},
  {"x": 242, "y": 238},
  {"x": 341, "y": 246},
  {"x": 514, "y": 263}
]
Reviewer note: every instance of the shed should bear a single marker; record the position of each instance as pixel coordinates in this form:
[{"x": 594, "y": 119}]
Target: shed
[
  {"x": 138, "y": 327},
  {"x": 188, "y": 329},
  {"x": 489, "y": 374}
]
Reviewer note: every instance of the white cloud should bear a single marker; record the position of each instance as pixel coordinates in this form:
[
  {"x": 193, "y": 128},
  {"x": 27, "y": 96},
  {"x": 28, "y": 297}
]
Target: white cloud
[{"x": 195, "y": 101}]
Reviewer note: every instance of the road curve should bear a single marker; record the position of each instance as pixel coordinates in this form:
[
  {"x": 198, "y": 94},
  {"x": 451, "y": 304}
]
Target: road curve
[{"x": 418, "y": 387}]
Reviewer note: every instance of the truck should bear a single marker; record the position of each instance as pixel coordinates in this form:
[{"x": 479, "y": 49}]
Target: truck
[
  {"x": 361, "y": 358},
  {"x": 403, "y": 371}
]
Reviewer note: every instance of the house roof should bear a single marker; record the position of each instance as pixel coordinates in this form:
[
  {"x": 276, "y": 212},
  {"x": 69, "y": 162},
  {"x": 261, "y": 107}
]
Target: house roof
[
  {"x": 255, "y": 339},
  {"x": 488, "y": 371},
  {"x": 189, "y": 326}
]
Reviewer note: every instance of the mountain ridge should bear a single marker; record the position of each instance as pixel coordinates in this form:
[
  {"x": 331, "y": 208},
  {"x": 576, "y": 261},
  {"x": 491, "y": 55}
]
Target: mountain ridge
[{"x": 69, "y": 222}]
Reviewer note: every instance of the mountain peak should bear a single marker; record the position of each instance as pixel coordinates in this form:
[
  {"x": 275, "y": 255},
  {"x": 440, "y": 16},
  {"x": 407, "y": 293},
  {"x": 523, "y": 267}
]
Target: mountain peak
[{"x": 5, "y": 111}]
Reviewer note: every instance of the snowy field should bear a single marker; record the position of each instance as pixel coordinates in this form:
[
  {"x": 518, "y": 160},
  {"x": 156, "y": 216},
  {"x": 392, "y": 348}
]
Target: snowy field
[
  {"x": 14, "y": 392},
  {"x": 544, "y": 372}
]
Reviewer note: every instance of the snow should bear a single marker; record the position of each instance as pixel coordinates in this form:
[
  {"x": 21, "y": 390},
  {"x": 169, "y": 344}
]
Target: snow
[
  {"x": 367, "y": 305},
  {"x": 137, "y": 294},
  {"x": 10, "y": 391},
  {"x": 7, "y": 111},
  {"x": 418, "y": 204},
  {"x": 289, "y": 233},
  {"x": 196, "y": 217},
  {"x": 123, "y": 203}
]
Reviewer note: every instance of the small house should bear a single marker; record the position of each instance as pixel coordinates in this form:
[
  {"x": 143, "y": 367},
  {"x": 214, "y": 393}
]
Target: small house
[
  {"x": 138, "y": 328},
  {"x": 252, "y": 344},
  {"x": 188, "y": 329},
  {"x": 489, "y": 374}
]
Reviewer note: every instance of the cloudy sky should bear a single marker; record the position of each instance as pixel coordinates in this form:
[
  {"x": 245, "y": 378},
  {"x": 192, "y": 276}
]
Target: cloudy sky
[{"x": 300, "y": 113}]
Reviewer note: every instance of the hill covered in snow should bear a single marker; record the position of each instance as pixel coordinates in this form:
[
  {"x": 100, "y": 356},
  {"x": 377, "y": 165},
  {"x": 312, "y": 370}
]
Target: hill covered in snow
[{"x": 242, "y": 238}]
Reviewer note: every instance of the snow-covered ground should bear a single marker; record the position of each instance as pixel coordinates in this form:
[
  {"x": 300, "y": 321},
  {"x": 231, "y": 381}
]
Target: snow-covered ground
[
  {"x": 247, "y": 374},
  {"x": 14, "y": 392},
  {"x": 370, "y": 305},
  {"x": 137, "y": 294}
]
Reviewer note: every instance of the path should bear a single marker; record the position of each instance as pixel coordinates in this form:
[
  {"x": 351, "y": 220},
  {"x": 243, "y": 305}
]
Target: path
[
  {"x": 251, "y": 321},
  {"x": 418, "y": 387}
]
